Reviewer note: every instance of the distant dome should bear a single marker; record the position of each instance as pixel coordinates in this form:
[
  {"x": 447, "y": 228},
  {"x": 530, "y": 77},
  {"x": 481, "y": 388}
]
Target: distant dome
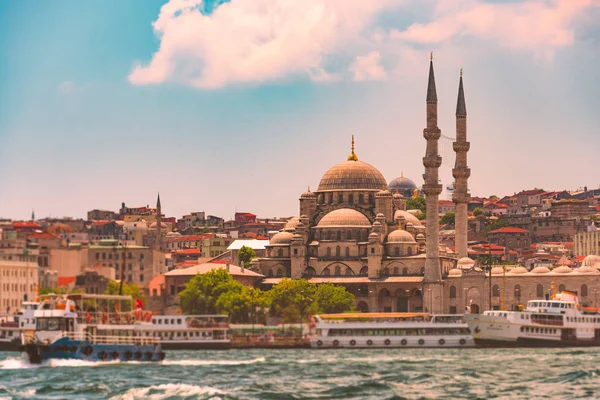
[
  {"x": 398, "y": 196},
  {"x": 518, "y": 270},
  {"x": 154, "y": 225},
  {"x": 465, "y": 263},
  {"x": 291, "y": 224},
  {"x": 408, "y": 217},
  {"x": 400, "y": 236},
  {"x": 540, "y": 270},
  {"x": 403, "y": 185},
  {"x": 352, "y": 175},
  {"x": 420, "y": 236},
  {"x": 344, "y": 217},
  {"x": 591, "y": 261},
  {"x": 282, "y": 238},
  {"x": 173, "y": 235},
  {"x": 562, "y": 270},
  {"x": 586, "y": 269},
  {"x": 497, "y": 271},
  {"x": 455, "y": 272}
]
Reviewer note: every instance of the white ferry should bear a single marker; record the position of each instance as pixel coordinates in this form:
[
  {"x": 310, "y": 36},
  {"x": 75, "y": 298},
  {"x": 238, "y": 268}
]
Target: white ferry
[
  {"x": 558, "y": 321},
  {"x": 13, "y": 327},
  {"x": 189, "y": 332},
  {"x": 389, "y": 330}
]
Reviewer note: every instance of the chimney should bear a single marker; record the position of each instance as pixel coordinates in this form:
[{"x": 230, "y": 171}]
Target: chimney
[
  {"x": 227, "y": 266},
  {"x": 242, "y": 267}
]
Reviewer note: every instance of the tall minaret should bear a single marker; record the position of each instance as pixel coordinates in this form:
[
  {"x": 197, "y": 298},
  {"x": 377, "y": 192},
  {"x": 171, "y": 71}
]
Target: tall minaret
[
  {"x": 432, "y": 189},
  {"x": 158, "y": 224},
  {"x": 461, "y": 173}
]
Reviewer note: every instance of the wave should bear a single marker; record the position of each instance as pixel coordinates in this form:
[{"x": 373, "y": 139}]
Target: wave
[
  {"x": 24, "y": 393},
  {"x": 168, "y": 391},
  {"x": 213, "y": 362},
  {"x": 19, "y": 363}
]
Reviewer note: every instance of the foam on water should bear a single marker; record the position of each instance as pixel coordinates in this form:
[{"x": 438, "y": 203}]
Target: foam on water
[
  {"x": 21, "y": 393},
  {"x": 169, "y": 390},
  {"x": 213, "y": 362}
]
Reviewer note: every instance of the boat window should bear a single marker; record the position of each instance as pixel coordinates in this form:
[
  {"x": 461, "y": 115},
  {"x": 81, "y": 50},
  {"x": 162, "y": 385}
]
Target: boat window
[
  {"x": 166, "y": 321},
  {"x": 172, "y": 321},
  {"x": 179, "y": 320}
]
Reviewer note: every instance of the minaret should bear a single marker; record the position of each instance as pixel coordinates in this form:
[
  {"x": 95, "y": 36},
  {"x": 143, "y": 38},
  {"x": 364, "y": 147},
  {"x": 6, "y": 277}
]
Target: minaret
[
  {"x": 432, "y": 189},
  {"x": 461, "y": 173},
  {"x": 158, "y": 224}
]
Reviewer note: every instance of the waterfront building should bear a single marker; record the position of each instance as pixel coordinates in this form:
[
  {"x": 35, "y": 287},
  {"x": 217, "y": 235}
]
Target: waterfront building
[
  {"x": 586, "y": 243},
  {"x": 19, "y": 279}
]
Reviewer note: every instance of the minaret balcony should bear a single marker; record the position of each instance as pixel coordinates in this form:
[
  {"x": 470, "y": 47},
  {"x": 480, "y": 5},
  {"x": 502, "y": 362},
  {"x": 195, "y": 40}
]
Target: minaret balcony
[
  {"x": 432, "y": 161},
  {"x": 461, "y": 173},
  {"x": 431, "y": 189},
  {"x": 461, "y": 198},
  {"x": 461, "y": 147},
  {"x": 432, "y": 133}
]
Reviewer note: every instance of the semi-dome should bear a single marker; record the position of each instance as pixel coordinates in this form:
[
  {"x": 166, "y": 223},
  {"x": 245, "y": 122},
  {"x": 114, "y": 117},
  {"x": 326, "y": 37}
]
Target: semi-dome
[
  {"x": 563, "y": 269},
  {"x": 455, "y": 272},
  {"x": 465, "y": 263},
  {"x": 400, "y": 236},
  {"x": 403, "y": 185},
  {"x": 282, "y": 238},
  {"x": 344, "y": 217},
  {"x": 291, "y": 224},
  {"x": 408, "y": 217},
  {"x": 352, "y": 175},
  {"x": 308, "y": 195},
  {"x": 591, "y": 261},
  {"x": 518, "y": 270},
  {"x": 540, "y": 270}
]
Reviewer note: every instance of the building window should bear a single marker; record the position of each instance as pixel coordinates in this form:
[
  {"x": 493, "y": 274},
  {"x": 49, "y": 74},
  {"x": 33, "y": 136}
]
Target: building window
[
  {"x": 141, "y": 277},
  {"x": 361, "y": 199},
  {"x": 338, "y": 271},
  {"x": 328, "y": 252},
  {"x": 347, "y": 252},
  {"x": 539, "y": 290},
  {"x": 348, "y": 271},
  {"x": 517, "y": 292},
  {"x": 397, "y": 252},
  {"x": 337, "y": 251},
  {"x": 584, "y": 290},
  {"x": 279, "y": 272},
  {"x": 452, "y": 292},
  {"x": 351, "y": 198},
  {"x": 404, "y": 271},
  {"x": 364, "y": 271},
  {"x": 340, "y": 198},
  {"x": 496, "y": 291}
]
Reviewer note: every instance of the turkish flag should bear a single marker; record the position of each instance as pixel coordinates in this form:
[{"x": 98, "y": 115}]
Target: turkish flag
[{"x": 138, "y": 303}]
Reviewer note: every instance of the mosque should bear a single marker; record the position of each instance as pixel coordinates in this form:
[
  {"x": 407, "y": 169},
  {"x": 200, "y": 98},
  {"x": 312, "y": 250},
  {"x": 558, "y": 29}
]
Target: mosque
[{"x": 355, "y": 231}]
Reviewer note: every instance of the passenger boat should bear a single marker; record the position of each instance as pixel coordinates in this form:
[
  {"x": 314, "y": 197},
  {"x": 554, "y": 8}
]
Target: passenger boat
[
  {"x": 557, "y": 321},
  {"x": 13, "y": 327},
  {"x": 389, "y": 330},
  {"x": 91, "y": 328},
  {"x": 189, "y": 332}
]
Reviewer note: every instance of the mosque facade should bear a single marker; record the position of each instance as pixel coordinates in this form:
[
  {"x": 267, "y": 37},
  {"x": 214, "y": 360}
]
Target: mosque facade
[{"x": 355, "y": 231}]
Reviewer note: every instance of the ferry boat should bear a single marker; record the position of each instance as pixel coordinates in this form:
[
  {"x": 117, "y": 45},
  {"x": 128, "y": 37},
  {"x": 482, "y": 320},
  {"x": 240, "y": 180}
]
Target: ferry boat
[
  {"x": 92, "y": 328},
  {"x": 557, "y": 321},
  {"x": 189, "y": 332},
  {"x": 389, "y": 330},
  {"x": 12, "y": 328}
]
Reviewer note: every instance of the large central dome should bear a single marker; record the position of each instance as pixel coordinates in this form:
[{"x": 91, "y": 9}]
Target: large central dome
[{"x": 352, "y": 175}]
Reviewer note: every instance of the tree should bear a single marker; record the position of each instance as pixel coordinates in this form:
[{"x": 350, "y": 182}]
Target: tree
[
  {"x": 132, "y": 290},
  {"x": 202, "y": 292},
  {"x": 477, "y": 211},
  {"x": 417, "y": 203},
  {"x": 245, "y": 255},
  {"x": 500, "y": 223},
  {"x": 448, "y": 218},
  {"x": 333, "y": 299},
  {"x": 293, "y": 299},
  {"x": 493, "y": 197}
]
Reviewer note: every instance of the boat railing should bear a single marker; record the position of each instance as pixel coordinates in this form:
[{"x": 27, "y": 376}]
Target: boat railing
[
  {"x": 105, "y": 339},
  {"x": 113, "y": 318}
]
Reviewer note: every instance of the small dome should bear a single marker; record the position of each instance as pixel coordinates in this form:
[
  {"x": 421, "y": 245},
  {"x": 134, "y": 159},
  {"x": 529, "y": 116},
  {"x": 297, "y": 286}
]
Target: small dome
[
  {"x": 291, "y": 224},
  {"x": 518, "y": 270},
  {"x": 587, "y": 270},
  {"x": 455, "y": 272},
  {"x": 308, "y": 195},
  {"x": 420, "y": 236},
  {"x": 540, "y": 270},
  {"x": 497, "y": 271},
  {"x": 408, "y": 217},
  {"x": 352, "y": 175},
  {"x": 404, "y": 185},
  {"x": 562, "y": 270},
  {"x": 173, "y": 235},
  {"x": 154, "y": 226},
  {"x": 398, "y": 196},
  {"x": 465, "y": 263},
  {"x": 376, "y": 224},
  {"x": 373, "y": 237},
  {"x": 296, "y": 237},
  {"x": 400, "y": 236},
  {"x": 282, "y": 238},
  {"x": 344, "y": 217},
  {"x": 591, "y": 261},
  {"x": 383, "y": 193}
]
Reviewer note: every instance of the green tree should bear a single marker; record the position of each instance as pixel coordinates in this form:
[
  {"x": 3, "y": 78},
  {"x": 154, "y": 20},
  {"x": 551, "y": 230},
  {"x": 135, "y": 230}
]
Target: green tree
[
  {"x": 293, "y": 299},
  {"x": 477, "y": 211},
  {"x": 497, "y": 224},
  {"x": 448, "y": 218},
  {"x": 417, "y": 203},
  {"x": 333, "y": 299},
  {"x": 493, "y": 197},
  {"x": 243, "y": 304},
  {"x": 245, "y": 255},
  {"x": 202, "y": 292},
  {"x": 132, "y": 290}
]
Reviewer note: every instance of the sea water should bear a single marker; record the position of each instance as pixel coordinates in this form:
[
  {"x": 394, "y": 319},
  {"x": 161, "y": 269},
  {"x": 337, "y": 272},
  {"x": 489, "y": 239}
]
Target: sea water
[{"x": 314, "y": 374}]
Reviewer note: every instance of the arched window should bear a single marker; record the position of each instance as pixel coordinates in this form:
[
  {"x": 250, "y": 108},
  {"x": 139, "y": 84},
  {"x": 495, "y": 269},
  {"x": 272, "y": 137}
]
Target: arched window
[
  {"x": 330, "y": 198},
  {"x": 386, "y": 271},
  {"x": 404, "y": 271},
  {"x": 337, "y": 251},
  {"x": 348, "y": 234},
  {"x": 452, "y": 292},
  {"x": 329, "y": 252},
  {"x": 496, "y": 291},
  {"x": 361, "y": 199},
  {"x": 349, "y": 271},
  {"x": 396, "y": 271},
  {"x": 338, "y": 270},
  {"x": 584, "y": 290},
  {"x": 384, "y": 293},
  {"x": 339, "y": 235},
  {"x": 271, "y": 273},
  {"x": 561, "y": 288},
  {"x": 539, "y": 291},
  {"x": 321, "y": 199},
  {"x": 351, "y": 198},
  {"x": 362, "y": 307},
  {"x": 397, "y": 251},
  {"x": 326, "y": 272},
  {"x": 364, "y": 271},
  {"x": 371, "y": 199},
  {"x": 409, "y": 251},
  {"x": 280, "y": 252},
  {"x": 340, "y": 198},
  {"x": 309, "y": 272},
  {"x": 347, "y": 252},
  {"x": 518, "y": 292},
  {"x": 279, "y": 272}
]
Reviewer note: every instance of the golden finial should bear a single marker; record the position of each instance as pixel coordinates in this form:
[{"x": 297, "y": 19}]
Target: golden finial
[
  {"x": 352, "y": 156},
  {"x": 461, "y": 72},
  {"x": 402, "y": 174},
  {"x": 309, "y": 188},
  {"x": 431, "y": 56},
  {"x": 415, "y": 193}
]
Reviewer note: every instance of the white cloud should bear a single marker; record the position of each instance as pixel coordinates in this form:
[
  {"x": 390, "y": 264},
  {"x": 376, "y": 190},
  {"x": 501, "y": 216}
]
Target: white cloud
[
  {"x": 254, "y": 40},
  {"x": 66, "y": 87},
  {"x": 367, "y": 68}
]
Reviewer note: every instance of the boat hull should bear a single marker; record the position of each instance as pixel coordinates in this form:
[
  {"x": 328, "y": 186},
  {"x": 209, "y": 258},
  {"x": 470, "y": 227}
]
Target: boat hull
[
  {"x": 391, "y": 342},
  {"x": 10, "y": 345},
  {"x": 66, "y": 348}
]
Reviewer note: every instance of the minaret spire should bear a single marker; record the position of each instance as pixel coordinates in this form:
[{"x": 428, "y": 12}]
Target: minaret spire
[
  {"x": 432, "y": 189},
  {"x": 158, "y": 224},
  {"x": 461, "y": 173}
]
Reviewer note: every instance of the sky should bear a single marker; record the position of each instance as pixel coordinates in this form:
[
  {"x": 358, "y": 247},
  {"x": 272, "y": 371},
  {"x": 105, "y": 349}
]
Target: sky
[{"x": 240, "y": 105}]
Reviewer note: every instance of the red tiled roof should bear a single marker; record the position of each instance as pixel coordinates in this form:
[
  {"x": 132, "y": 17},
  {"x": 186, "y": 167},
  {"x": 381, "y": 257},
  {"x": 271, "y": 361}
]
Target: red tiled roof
[
  {"x": 261, "y": 237},
  {"x": 531, "y": 192},
  {"x": 66, "y": 280},
  {"x": 100, "y": 222},
  {"x": 580, "y": 258},
  {"x": 26, "y": 224},
  {"x": 188, "y": 251},
  {"x": 510, "y": 230},
  {"x": 188, "y": 263}
]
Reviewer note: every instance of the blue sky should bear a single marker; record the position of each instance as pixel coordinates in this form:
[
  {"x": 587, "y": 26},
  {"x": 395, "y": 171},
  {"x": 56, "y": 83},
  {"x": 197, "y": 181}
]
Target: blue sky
[{"x": 245, "y": 104}]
